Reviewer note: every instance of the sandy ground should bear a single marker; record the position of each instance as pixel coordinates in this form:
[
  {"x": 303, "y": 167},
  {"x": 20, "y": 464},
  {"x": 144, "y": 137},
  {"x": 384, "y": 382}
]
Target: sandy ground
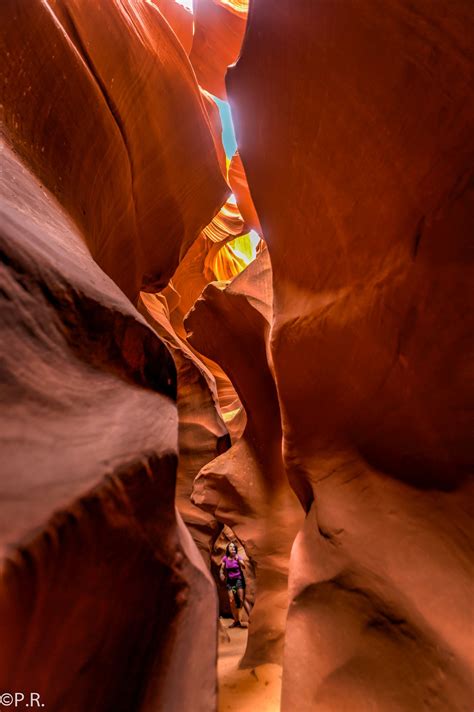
[{"x": 245, "y": 690}]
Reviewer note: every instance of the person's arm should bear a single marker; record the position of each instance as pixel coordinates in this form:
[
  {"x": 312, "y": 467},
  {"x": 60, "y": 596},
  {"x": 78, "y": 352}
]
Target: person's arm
[{"x": 222, "y": 571}]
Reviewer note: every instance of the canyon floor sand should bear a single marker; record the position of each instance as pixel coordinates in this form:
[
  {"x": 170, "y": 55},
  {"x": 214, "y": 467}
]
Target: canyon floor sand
[{"x": 245, "y": 690}]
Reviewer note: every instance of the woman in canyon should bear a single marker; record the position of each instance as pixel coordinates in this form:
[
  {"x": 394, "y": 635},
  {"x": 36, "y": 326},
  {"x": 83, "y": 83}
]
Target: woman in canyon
[{"x": 232, "y": 572}]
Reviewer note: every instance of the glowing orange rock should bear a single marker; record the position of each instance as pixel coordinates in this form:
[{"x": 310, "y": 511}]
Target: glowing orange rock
[
  {"x": 240, "y": 188},
  {"x": 216, "y": 129},
  {"x": 218, "y": 34},
  {"x": 180, "y": 19},
  {"x": 246, "y": 487},
  {"x": 220, "y": 253},
  {"x": 355, "y": 125},
  {"x": 139, "y": 182}
]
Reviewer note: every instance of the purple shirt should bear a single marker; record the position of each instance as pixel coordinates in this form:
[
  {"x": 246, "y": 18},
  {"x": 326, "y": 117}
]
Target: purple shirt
[{"x": 232, "y": 567}]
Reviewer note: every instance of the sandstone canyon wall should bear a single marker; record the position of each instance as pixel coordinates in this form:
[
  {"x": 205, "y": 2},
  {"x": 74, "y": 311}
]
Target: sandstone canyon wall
[
  {"x": 103, "y": 592},
  {"x": 101, "y": 585},
  {"x": 317, "y": 402},
  {"x": 246, "y": 487},
  {"x": 357, "y": 136}
]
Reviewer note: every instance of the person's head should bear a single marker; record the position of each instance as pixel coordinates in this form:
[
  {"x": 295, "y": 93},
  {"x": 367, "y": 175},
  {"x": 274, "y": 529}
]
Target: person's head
[{"x": 231, "y": 549}]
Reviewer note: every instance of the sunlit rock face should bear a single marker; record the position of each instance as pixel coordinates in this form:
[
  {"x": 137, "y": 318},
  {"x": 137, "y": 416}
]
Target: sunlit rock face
[
  {"x": 202, "y": 433},
  {"x": 219, "y": 27},
  {"x": 180, "y": 20},
  {"x": 220, "y": 253},
  {"x": 118, "y": 131},
  {"x": 246, "y": 487},
  {"x": 238, "y": 183},
  {"x": 103, "y": 593},
  {"x": 364, "y": 192}
]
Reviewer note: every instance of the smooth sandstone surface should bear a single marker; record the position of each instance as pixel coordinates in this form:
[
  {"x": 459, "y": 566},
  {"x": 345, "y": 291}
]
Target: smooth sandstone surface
[
  {"x": 342, "y": 371},
  {"x": 180, "y": 20},
  {"x": 194, "y": 273},
  {"x": 121, "y": 95},
  {"x": 240, "y": 188},
  {"x": 246, "y": 487},
  {"x": 102, "y": 593},
  {"x": 202, "y": 435},
  {"x": 219, "y": 28},
  {"x": 361, "y": 173}
]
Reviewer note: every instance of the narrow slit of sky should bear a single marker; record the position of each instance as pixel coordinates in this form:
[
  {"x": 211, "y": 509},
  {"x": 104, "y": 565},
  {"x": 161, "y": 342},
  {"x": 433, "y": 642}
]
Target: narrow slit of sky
[{"x": 228, "y": 133}]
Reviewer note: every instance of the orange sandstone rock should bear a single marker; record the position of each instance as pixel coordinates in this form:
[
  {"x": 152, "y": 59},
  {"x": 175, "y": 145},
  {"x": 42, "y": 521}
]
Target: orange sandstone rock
[
  {"x": 202, "y": 435},
  {"x": 240, "y": 188},
  {"x": 102, "y": 591},
  {"x": 180, "y": 20},
  {"x": 246, "y": 487},
  {"x": 102, "y": 103},
  {"x": 359, "y": 159},
  {"x": 218, "y": 34}
]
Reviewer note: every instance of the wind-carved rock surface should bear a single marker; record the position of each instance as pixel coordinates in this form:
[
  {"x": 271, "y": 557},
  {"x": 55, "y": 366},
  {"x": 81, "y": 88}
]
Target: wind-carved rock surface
[
  {"x": 364, "y": 192},
  {"x": 194, "y": 273},
  {"x": 103, "y": 593},
  {"x": 240, "y": 188},
  {"x": 219, "y": 27},
  {"x": 246, "y": 487},
  {"x": 202, "y": 433},
  {"x": 180, "y": 20},
  {"x": 103, "y": 104}
]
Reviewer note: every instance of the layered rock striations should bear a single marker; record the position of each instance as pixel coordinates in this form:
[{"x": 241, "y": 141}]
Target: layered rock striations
[
  {"x": 202, "y": 433},
  {"x": 341, "y": 372},
  {"x": 102, "y": 592},
  {"x": 219, "y": 27},
  {"x": 113, "y": 123},
  {"x": 246, "y": 487},
  {"x": 180, "y": 19},
  {"x": 361, "y": 173},
  {"x": 240, "y": 188}
]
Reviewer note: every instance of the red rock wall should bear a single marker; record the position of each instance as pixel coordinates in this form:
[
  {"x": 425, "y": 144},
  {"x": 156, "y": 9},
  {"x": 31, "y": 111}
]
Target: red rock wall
[
  {"x": 246, "y": 488},
  {"x": 202, "y": 435},
  {"x": 118, "y": 133},
  {"x": 350, "y": 356},
  {"x": 103, "y": 594},
  {"x": 356, "y": 134},
  {"x": 218, "y": 33}
]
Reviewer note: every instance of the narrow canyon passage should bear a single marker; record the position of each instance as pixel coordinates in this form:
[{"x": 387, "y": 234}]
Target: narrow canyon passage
[{"x": 236, "y": 347}]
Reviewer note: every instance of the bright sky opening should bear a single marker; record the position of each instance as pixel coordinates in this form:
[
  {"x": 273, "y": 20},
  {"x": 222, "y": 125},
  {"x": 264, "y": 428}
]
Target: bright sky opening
[
  {"x": 228, "y": 133},
  {"x": 188, "y": 4}
]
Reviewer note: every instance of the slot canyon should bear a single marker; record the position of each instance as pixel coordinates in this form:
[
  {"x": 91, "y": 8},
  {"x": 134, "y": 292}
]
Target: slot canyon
[{"x": 237, "y": 244}]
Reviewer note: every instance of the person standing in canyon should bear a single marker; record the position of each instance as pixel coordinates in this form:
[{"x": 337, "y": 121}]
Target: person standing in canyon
[{"x": 232, "y": 572}]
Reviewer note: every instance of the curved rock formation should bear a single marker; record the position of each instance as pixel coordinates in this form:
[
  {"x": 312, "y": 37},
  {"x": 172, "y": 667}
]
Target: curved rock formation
[
  {"x": 240, "y": 188},
  {"x": 104, "y": 138},
  {"x": 102, "y": 590},
  {"x": 342, "y": 371},
  {"x": 202, "y": 433},
  {"x": 219, "y": 27},
  {"x": 210, "y": 258},
  {"x": 246, "y": 487},
  {"x": 180, "y": 20},
  {"x": 216, "y": 128},
  {"x": 364, "y": 191}
]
